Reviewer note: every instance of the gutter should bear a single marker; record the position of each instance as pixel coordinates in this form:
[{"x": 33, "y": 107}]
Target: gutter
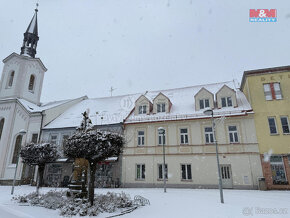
[{"x": 40, "y": 129}]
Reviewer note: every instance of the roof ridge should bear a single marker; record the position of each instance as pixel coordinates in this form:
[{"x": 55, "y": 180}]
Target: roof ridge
[{"x": 200, "y": 85}]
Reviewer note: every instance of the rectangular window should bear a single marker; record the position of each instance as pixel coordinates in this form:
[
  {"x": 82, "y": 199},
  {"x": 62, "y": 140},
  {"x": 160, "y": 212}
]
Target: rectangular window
[
  {"x": 272, "y": 125},
  {"x": 186, "y": 172},
  {"x": 160, "y": 171},
  {"x": 34, "y": 138},
  {"x": 278, "y": 170},
  {"x": 141, "y": 138},
  {"x": 64, "y": 138},
  {"x": 285, "y": 125},
  {"x": 203, "y": 103},
  {"x": 160, "y": 107},
  {"x": 53, "y": 139},
  {"x": 208, "y": 135},
  {"x": 227, "y": 102},
  {"x": 272, "y": 91},
  {"x": 233, "y": 134},
  {"x": 277, "y": 91},
  {"x": 142, "y": 109},
  {"x": 267, "y": 92},
  {"x": 161, "y": 139},
  {"x": 183, "y": 136},
  {"x": 140, "y": 171}
]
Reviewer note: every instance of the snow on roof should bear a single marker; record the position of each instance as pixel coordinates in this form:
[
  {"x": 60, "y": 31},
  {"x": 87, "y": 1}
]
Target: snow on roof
[
  {"x": 113, "y": 110},
  {"x": 183, "y": 103},
  {"x": 44, "y": 106},
  {"x": 103, "y": 111}
]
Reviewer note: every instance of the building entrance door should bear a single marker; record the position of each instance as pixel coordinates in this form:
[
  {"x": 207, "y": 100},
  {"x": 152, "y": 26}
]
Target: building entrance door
[{"x": 226, "y": 174}]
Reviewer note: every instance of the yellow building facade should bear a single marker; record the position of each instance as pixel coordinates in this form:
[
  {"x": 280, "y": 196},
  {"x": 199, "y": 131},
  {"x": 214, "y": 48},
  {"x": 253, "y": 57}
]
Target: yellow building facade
[{"x": 268, "y": 92}]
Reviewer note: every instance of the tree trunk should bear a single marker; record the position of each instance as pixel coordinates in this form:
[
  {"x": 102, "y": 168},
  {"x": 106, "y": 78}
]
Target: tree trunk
[
  {"x": 93, "y": 168},
  {"x": 40, "y": 177}
]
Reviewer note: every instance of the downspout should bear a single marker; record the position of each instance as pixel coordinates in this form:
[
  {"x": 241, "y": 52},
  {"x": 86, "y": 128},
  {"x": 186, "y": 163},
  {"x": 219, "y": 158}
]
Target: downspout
[
  {"x": 40, "y": 129},
  {"x": 121, "y": 158}
]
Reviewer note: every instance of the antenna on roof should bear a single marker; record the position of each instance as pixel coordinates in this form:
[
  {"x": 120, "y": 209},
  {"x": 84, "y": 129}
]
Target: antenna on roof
[{"x": 111, "y": 90}]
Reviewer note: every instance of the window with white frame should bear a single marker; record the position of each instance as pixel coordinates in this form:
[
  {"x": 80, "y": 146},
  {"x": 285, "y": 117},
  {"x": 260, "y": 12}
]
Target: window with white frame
[
  {"x": 53, "y": 139},
  {"x": 64, "y": 138},
  {"x": 160, "y": 171},
  {"x": 227, "y": 102},
  {"x": 285, "y": 125},
  {"x": 204, "y": 103},
  {"x": 184, "y": 136},
  {"x": 140, "y": 171},
  {"x": 272, "y": 91},
  {"x": 233, "y": 134},
  {"x": 186, "y": 172},
  {"x": 272, "y": 125},
  {"x": 278, "y": 169},
  {"x": 142, "y": 109},
  {"x": 17, "y": 147},
  {"x": 141, "y": 138},
  {"x": 161, "y": 138},
  {"x": 31, "y": 83},
  {"x": 2, "y": 121},
  {"x": 208, "y": 135},
  {"x": 160, "y": 107},
  {"x": 34, "y": 138},
  {"x": 11, "y": 78}
]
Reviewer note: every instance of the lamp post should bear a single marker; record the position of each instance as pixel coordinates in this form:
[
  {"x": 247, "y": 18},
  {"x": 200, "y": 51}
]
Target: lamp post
[
  {"x": 22, "y": 133},
  {"x": 210, "y": 113},
  {"x": 161, "y": 131}
]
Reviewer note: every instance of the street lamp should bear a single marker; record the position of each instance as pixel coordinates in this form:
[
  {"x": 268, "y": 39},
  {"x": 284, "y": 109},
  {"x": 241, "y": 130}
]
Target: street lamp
[
  {"x": 210, "y": 113},
  {"x": 161, "y": 131},
  {"x": 22, "y": 133}
]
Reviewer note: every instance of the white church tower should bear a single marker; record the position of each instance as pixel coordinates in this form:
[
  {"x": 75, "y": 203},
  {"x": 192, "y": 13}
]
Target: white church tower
[
  {"x": 20, "y": 113},
  {"x": 23, "y": 74},
  {"x": 22, "y": 116}
]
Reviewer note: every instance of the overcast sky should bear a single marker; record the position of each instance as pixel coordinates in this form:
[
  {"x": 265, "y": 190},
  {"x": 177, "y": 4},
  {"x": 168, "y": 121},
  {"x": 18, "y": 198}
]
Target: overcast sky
[{"x": 138, "y": 45}]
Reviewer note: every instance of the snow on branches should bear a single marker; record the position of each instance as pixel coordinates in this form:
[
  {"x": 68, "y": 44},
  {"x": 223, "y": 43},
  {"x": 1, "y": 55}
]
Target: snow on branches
[
  {"x": 93, "y": 145},
  {"x": 39, "y": 154}
]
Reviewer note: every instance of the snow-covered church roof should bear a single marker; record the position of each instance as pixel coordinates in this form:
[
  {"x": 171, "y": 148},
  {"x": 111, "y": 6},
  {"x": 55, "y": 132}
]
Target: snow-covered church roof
[
  {"x": 103, "y": 111},
  {"x": 44, "y": 106}
]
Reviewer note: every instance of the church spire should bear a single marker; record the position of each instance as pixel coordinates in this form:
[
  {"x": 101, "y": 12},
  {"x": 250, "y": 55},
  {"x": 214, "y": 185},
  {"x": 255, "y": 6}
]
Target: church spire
[{"x": 31, "y": 37}]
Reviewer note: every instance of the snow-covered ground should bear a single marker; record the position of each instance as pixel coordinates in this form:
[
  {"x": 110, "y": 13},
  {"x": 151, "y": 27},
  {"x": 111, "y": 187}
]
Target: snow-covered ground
[{"x": 177, "y": 203}]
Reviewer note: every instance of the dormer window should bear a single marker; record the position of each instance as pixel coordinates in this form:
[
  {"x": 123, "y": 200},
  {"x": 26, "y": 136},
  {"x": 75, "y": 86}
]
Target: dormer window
[
  {"x": 11, "y": 78},
  {"x": 142, "y": 109},
  {"x": 227, "y": 102},
  {"x": 160, "y": 107},
  {"x": 31, "y": 83},
  {"x": 204, "y": 103}
]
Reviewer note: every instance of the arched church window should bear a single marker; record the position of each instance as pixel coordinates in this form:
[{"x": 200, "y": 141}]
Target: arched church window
[
  {"x": 31, "y": 83},
  {"x": 11, "y": 77},
  {"x": 1, "y": 126},
  {"x": 17, "y": 147}
]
